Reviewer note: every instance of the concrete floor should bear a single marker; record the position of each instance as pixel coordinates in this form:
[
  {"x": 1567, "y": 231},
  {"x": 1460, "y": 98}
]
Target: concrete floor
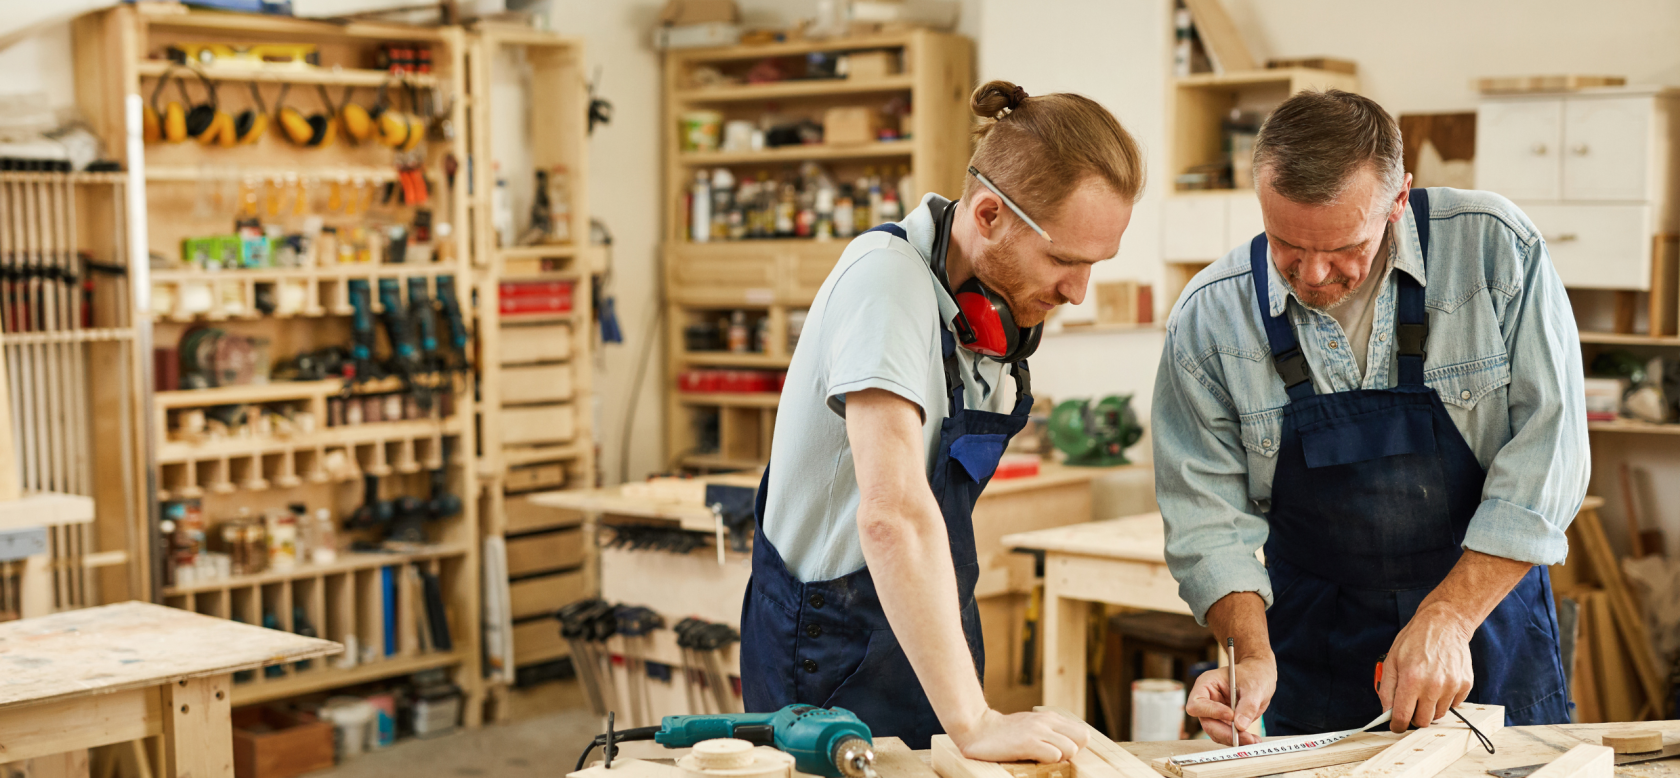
[{"x": 551, "y": 725}]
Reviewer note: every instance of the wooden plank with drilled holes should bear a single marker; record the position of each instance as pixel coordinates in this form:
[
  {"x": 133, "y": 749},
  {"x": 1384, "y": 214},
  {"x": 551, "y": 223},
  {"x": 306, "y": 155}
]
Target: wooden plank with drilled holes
[{"x": 1425, "y": 752}]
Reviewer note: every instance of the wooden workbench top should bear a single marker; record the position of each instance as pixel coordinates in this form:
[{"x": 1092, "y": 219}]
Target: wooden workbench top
[
  {"x": 1514, "y": 747},
  {"x": 133, "y": 645},
  {"x": 1139, "y": 538}
]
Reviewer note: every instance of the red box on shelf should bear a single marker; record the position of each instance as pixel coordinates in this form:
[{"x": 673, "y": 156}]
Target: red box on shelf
[{"x": 535, "y": 297}]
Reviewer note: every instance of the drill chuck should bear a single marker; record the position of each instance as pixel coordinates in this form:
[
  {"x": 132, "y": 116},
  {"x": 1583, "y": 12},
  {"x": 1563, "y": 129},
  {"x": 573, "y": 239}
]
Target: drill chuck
[{"x": 854, "y": 757}]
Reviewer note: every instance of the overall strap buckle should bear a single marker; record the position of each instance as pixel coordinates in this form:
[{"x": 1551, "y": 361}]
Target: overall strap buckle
[
  {"x": 1292, "y": 367},
  {"x": 1410, "y": 339}
]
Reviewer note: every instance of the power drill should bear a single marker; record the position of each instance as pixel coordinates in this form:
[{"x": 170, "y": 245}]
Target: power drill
[{"x": 831, "y": 742}]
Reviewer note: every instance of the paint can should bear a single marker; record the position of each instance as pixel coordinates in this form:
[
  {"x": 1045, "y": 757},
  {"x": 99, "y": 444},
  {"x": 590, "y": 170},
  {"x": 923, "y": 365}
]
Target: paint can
[
  {"x": 353, "y": 725},
  {"x": 1157, "y": 710}
]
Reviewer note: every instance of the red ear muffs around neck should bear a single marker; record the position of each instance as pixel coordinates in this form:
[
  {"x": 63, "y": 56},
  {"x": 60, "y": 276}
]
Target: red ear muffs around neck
[{"x": 993, "y": 325}]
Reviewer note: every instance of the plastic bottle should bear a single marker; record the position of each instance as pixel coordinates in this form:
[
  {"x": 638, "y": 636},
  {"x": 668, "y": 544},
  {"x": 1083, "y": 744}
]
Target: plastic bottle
[
  {"x": 501, "y": 210},
  {"x": 700, "y": 220},
  {"x": 723, "y": 201},
  {"x": 560, "y": 204},
  {"x": 787, "y": 210},
  {"x": 908, "y": 198},
  {"x": 325, "y": 548},
  {"x": 825, "y": 213},
  {"x": 845, "y": 221},
  {"x": 738, "y": 335},
  {"x": 889, "y": 208}
]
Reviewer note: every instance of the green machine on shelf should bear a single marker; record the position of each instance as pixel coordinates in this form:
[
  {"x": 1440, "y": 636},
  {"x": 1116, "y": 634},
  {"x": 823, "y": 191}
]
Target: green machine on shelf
[{"x": 1095, "y": 435}]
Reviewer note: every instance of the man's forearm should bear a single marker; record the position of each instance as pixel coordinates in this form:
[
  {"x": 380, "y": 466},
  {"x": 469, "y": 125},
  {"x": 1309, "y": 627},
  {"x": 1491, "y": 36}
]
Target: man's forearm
[
  {"x": 1473, "y": 589},
  {"x": 1241, "y": 615},
  {"x": 909, "y": 557}
]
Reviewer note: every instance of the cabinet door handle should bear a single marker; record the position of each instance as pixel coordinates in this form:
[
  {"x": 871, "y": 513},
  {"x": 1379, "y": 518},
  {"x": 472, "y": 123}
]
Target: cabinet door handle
[
  {"x": 1568, "y": 237},
  {"x": 1580, "y": 150},
  {"x": 1539, "y": 149}
]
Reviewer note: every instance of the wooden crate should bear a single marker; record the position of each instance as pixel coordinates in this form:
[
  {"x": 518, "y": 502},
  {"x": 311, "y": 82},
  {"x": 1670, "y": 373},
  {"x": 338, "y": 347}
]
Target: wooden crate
[
  {"x": 536, "y": 343},
  {"x": 537, "y": 384},
  {"x": 538, "y": 640},
  {"x": 526, "y": 516},
  {"x": 273, "y": 743},
  {"x": 538, "y": 424}
]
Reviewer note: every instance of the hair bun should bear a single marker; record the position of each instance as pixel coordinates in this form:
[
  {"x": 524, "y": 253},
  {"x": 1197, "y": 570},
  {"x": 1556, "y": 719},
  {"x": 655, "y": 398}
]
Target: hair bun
[{"x": 995, "y": 99}]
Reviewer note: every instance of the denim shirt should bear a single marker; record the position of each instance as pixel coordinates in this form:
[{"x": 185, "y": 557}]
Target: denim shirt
[{"x": 1503, "y": 354}]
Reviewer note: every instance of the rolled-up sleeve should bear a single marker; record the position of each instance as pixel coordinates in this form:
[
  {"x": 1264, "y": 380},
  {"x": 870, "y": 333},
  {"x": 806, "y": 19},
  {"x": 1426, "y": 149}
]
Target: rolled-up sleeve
[
  {"x": 1536, "y": 482},
  {"x": 1201, "y": 479}
]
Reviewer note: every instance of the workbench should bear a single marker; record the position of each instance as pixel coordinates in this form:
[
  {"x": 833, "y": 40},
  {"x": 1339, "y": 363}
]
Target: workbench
[
  {"x": 1514, "y": 747},
  {"x": 702, "y": 585},
  {"x": 118, "y": 673},
  {"x": 1115, "y": 562}
]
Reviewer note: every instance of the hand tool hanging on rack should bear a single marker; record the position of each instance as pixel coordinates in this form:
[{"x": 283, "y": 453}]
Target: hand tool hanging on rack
[
  {"x": 635, "y": 622},
  {"x": 361, "y": 366},
  {"x": 702, "y": 641},
  {"x": 424, "y": 324},
  {"x": 373, "y": 513},
  {"x": 584, "y": 624},
  {"x": 656, "y": 537},
  {"x": 443, "y": 503},
  {"x": 399, "y": 330},
  {"x": 451, "y": 307}
]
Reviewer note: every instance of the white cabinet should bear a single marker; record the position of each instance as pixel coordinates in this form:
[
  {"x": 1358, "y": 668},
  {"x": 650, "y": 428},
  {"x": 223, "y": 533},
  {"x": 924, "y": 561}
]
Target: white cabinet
[
  {"x": 1595, "y": 171},
  {"x": 1517, "y": 149},
  {"x": 1202, "y": 227},
  {"x": 1607, "y": 149}
]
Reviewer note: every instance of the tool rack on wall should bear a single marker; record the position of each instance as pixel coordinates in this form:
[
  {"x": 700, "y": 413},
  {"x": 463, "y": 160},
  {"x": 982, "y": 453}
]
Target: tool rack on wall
[
  {"x": 73, "y": 378},
  {"x": 535, "y": 327},
  {"x": 295, "y": 442},
  {"x": 772, "y": 280}
]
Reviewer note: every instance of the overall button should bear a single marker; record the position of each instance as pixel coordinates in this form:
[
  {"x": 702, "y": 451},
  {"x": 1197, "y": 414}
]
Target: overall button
[
  {"x": 1267, "y": 443},
  {"x": 810, "y": 665},
  {"x": 1382, "y": 337},
  {"x": 817, "y": 600},
  {"x": 1332, "y": 344},
  {"x": 1464, "y": 395},
  {"x": 813, "y": 630}
]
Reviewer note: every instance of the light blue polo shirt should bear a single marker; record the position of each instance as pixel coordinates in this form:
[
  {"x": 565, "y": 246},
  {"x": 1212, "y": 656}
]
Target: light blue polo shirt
[{"x": 874, "y": 325}]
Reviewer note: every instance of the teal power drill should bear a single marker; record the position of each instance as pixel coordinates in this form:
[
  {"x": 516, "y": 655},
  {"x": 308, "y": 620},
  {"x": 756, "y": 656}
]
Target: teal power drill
[{"x": 831, "y": 742}]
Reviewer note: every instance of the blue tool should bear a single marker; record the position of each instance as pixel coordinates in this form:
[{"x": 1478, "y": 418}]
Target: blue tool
[{"x": 831, "y": 742}]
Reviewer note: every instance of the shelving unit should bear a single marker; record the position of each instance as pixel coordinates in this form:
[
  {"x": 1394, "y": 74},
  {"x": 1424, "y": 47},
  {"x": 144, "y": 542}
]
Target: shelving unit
[
  {"x": 1199, "y": 226},
  {"x": 536, "y": 369},
  {"x": 188, "y": 190},
  {"x": 768, "y": 279}
]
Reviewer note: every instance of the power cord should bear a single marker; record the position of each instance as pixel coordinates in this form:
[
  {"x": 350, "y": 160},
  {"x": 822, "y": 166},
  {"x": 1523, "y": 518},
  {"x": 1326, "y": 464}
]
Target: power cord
[{"x": 611, "y": 739}]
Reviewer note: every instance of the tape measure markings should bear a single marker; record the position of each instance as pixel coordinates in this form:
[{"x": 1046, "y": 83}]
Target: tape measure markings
[{"x": 1275, "y": 747}]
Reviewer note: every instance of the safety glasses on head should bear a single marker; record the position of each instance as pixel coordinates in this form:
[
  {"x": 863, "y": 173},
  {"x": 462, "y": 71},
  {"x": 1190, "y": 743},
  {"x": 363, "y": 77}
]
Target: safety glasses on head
[{"x": 984, "y": 324}]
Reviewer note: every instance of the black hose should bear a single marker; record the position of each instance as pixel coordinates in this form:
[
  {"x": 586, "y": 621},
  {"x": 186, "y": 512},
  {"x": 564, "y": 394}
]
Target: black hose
[{"x": 638, "y": 733}]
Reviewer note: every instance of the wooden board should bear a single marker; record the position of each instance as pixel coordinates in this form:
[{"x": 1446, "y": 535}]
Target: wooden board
[
  {"x": 538, "y": 424},
  {"x": 1637, "y": 741},
  {"x": 1220, "y": 36},
  {"x": 132, "y": 645},
  {"x": 1357, "y": 748},
  {"x": 1425, "y": 752},
  {"x": 1121, "y": 760},
  {"x": 1584, "y": 761},
  {"x": 1522, "y": 84},
  {"x": 1140, "y": 538},
  {"x": 893, "y": 758},
  {"x": 538, "y": 641},
  {"x": 537, "y": 383},
  {"x": 525, "y": 515},
  {"x": 544, "y": 343},
  {"x": 949, "y": 762}
]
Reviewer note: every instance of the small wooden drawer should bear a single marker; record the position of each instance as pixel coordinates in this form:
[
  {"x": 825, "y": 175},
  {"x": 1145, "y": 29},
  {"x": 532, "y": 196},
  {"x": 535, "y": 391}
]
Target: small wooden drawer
[
  {"x": 272, "y": 743},
  {"x": 547, "y": 551},
  {"x": 536, "y": 641},
  {"x": 536, "y": 384},
  {"x": 536, "y": 343},
  {"x": 723, "y": 274},
  {"x": 545, "y": 595},
  {"x": 526, "y": 516},
  {"x": 538, "y": 424},
  {"x": 549, "y": 475}
]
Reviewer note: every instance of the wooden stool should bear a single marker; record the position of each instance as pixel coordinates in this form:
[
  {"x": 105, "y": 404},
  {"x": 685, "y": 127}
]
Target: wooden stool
[{"x": 1130, "y": 637}]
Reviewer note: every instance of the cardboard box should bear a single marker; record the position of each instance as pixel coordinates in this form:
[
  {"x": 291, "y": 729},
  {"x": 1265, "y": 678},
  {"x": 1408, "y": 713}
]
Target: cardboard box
[
  {"x": 678, "y": 13},
  {"x": 850, "y": 125},
  {"x": 273, "y": 743},
  {"x": 1117, "y": 302},
  {"x": 868, "y": 65}
]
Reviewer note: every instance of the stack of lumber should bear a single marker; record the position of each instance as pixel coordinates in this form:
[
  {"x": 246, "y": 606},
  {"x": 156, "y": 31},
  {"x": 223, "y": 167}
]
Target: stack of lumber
[{"x": 1616, "y": 675}]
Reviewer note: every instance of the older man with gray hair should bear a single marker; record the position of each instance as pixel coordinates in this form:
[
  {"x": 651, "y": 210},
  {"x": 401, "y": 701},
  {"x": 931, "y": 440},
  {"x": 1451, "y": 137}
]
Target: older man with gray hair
[{"x": 1383, "y": 390}]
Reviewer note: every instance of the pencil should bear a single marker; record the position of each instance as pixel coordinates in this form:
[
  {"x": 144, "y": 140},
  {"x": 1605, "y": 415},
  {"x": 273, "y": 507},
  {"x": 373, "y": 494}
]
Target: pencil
[{"x": 1231, "y": 670}]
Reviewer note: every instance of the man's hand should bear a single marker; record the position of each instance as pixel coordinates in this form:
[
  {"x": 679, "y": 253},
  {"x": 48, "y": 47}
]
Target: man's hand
[
  {"x": 1040, "y": 737},
  {"x": 1210, "y": 699},
  {"x": 1428, "y": 668}
]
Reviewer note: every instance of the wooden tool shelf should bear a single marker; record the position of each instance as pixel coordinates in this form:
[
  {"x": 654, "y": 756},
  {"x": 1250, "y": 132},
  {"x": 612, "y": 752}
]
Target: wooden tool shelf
[
  {"x": 771, "y": 278},
  {"x": 183, "y": 190},
  {"x": 321, "y": 291},
  {"x": 337, "y": 76}
]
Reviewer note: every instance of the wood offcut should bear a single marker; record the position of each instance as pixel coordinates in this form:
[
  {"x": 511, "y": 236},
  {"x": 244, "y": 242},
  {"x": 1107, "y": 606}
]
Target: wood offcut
[{"x": 1425, "y": 752}]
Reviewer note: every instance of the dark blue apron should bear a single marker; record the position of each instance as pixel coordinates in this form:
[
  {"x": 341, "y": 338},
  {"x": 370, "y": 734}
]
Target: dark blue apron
[
  {"x": 1373, "y": 493},
  {"x": 828, "y": 643}
]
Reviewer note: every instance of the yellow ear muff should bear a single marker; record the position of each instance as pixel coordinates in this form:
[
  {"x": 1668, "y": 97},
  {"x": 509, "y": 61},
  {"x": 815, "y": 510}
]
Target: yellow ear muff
[
  {"x": 358, "y": 126},
  {"x": 251, "y": 122},
  {"x": 174, "y": 122},
  {"x": 151, "y": 130},
  {"x": 393, "y": 129},
  {"x": 202, "y": 116},
  {"x": 324, "y": 123},
  {"x": 291, "y": 121},
  {"x": 416, "y": 132}
]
